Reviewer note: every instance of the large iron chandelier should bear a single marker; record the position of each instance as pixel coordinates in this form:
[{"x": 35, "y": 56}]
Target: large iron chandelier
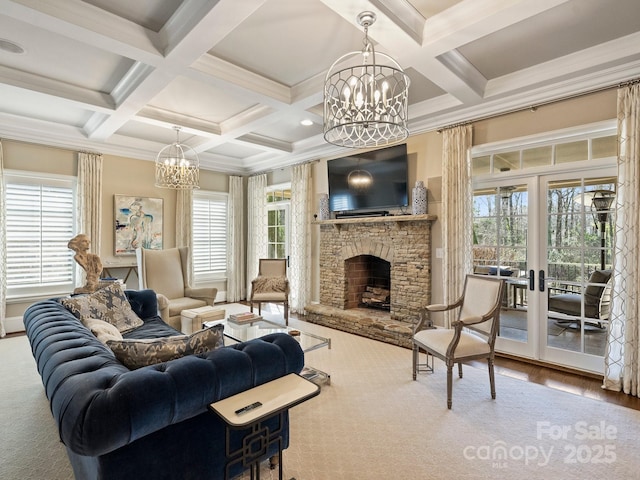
[
  {"x": 177, "y": 166},
  {"x": 365, "y": 102}
]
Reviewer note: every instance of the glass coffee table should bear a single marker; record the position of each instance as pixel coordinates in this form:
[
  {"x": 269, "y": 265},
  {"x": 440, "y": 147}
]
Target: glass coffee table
[{"x": 308, "y": 341}]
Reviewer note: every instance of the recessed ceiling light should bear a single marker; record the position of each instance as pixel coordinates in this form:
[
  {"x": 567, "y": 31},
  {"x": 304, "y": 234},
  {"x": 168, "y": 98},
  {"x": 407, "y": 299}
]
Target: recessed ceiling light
[
  {"x": 306, "y": 122},
  {"x": 11, "y": 47}
]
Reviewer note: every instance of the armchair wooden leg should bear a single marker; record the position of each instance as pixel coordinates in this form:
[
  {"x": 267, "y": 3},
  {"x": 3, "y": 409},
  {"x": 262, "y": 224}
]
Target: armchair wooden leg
[
  {"x": 460, "y": 369},
  {"x": 492, "y": 380},
  {"x": 449, "y": 385},
  {"x": 415, "y": 361},
  {"x": 286, "y": 314}
]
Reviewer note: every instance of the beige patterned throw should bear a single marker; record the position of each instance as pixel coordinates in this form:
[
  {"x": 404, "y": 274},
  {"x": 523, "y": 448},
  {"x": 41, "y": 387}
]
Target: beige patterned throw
[{"x": 263, "y": 284}]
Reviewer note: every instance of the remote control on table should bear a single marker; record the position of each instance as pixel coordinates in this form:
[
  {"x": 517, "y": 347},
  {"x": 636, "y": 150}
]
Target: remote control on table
[{"x": 242, "y": 410}]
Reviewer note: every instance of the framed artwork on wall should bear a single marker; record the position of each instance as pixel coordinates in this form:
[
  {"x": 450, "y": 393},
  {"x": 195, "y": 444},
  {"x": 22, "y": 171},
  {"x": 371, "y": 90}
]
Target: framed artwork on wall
[{"x": 138, "y": 223}]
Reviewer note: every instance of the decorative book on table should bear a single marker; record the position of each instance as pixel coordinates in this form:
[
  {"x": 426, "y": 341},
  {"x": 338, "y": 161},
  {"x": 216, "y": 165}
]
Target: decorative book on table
[{"x": 245, "y": 317}]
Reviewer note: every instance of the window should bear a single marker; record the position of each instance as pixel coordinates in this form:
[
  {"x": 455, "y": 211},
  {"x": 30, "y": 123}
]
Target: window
[
  {"x": 278, "y": 201},
  {"x": 550, "y": 151},
  {"x": 40, "y": 222},
  {"x": 209, "y": 235}
]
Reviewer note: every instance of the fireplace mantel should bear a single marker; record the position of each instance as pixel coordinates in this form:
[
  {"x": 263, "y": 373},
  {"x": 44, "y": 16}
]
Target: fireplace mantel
[{"x": 338, "y": 222}]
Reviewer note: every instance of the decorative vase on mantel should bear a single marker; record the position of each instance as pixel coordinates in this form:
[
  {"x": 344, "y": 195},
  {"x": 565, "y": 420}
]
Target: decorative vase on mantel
[
  {"x": 419, "y": 198},
  {"x": 324, "y": 207}
]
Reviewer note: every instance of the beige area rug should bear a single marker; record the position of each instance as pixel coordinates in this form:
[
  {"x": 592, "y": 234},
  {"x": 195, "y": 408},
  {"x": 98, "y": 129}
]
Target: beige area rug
[
  {"x": 30, "y": 448},
  {"x": 374, "y": 422}
]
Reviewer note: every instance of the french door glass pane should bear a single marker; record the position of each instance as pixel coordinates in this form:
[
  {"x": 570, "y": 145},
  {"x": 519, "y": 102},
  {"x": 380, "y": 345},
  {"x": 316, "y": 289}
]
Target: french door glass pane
[
  {"x": 579, "y": 243},
  {"x": 500, "y": 248}
]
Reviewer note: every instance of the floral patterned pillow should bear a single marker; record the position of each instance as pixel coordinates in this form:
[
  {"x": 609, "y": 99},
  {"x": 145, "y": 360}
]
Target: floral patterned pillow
[
  {"x": 109, "y": 304},
  {"x": 133, "y": 353}
]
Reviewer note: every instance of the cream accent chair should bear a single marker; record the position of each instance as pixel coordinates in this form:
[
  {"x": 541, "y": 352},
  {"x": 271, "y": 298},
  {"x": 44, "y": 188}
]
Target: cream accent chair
[
  {"x": 165, "y": 272},
  {"x": 472, "y": 335},
  {"x": 271, "y": 285}
]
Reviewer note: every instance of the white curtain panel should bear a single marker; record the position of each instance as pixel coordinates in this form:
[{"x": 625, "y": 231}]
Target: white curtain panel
[
  {"x": 621, "y": 359},
  {"x": 89, "y": 203},
  {"x": 3, "y": 251},
  {"x": 184, "y": 226},
  {"x": 299, "y": 272},
  {"x": 235, "y": 242},
  {"x": 256, "y": 225},
  {"x": 457, "y": 212}
]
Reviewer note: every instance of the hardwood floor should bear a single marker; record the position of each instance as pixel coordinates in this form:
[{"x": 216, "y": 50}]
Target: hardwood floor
[{"x": 585, "y": 385}]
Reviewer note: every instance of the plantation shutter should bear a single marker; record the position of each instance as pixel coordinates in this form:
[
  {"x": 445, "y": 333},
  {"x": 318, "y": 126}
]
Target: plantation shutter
[
  {"x": 209, "y": 235},
  {"x": 40, "y": 219}
]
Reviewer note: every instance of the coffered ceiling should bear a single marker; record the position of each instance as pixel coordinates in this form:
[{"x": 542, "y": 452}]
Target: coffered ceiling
[{"x": 238, "y": 76}]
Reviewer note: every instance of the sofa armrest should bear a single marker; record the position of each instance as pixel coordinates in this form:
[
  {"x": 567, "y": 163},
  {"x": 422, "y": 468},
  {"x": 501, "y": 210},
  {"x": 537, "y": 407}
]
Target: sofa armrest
[{"x": 206, "y": 294}]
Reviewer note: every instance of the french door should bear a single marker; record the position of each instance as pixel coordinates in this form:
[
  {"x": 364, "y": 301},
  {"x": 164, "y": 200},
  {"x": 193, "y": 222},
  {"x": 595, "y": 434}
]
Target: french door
[{"x": 549, "y": 236}]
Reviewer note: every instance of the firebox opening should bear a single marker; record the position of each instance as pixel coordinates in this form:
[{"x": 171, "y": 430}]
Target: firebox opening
[{"x": 368, "y": 282}]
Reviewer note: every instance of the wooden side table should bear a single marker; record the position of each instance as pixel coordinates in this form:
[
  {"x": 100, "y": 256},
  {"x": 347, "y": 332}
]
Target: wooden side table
[{"x": 251, "y": 408}]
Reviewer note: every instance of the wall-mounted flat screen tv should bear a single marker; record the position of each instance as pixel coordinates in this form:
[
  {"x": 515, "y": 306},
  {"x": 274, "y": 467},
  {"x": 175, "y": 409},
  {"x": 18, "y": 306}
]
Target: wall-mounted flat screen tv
[{"x": 369, "y": 181}]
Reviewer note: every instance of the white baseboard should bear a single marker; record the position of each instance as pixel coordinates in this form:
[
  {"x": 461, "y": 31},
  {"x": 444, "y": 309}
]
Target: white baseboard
[
  {"x": 221, "y": 297},
  {"x": 14, "y": 324}
]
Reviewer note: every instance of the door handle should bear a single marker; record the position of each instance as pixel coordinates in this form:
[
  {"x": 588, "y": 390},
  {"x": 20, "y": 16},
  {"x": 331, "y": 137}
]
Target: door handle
[
  {"x": 532, "y": 280},
  {"x": 541, "y": 281}
]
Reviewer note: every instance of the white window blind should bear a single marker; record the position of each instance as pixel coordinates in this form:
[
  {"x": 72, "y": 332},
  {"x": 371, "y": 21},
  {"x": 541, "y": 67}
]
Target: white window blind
[
  {"x": 40, "y": 216},
  {"x": 209, "y": 235}
]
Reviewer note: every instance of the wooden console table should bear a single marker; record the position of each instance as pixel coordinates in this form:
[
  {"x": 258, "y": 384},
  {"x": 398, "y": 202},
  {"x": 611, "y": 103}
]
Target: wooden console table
[{"x": 106, "y": 270}]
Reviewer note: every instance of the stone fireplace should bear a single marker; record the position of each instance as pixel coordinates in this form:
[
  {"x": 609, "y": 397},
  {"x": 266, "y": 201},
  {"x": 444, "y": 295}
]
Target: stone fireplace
[{"x": 355, "y": 252}]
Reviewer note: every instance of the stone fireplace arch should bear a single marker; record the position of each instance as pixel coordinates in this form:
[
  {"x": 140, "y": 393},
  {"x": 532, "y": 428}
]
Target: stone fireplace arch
[{"x": 367, "y": 247}]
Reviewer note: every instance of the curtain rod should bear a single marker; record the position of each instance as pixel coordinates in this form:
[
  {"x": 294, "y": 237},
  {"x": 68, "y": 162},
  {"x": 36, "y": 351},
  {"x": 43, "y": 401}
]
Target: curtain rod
[
  {"x": 535, "y": 106},
  {"x": 263, "y": 172}
]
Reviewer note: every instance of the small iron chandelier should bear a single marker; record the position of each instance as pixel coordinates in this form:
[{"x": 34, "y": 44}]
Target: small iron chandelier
[
  {"x": 177, "y": 166},
  {"x": 365, "y": 102}
]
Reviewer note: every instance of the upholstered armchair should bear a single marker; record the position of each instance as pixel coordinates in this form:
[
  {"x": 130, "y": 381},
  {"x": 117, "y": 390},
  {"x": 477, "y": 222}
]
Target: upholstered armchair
[
  {"x": 271, "y": 285},
  {"x": 472, "y": 336},
  {"x": 165, "y": 272}
]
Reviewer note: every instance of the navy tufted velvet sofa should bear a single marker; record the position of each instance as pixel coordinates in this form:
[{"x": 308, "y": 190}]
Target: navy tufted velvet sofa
[{"x": 153, "y": 422}]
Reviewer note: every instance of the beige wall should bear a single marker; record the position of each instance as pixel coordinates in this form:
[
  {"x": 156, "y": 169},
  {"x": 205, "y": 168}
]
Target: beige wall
[{"x": 120, "y": 176}]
